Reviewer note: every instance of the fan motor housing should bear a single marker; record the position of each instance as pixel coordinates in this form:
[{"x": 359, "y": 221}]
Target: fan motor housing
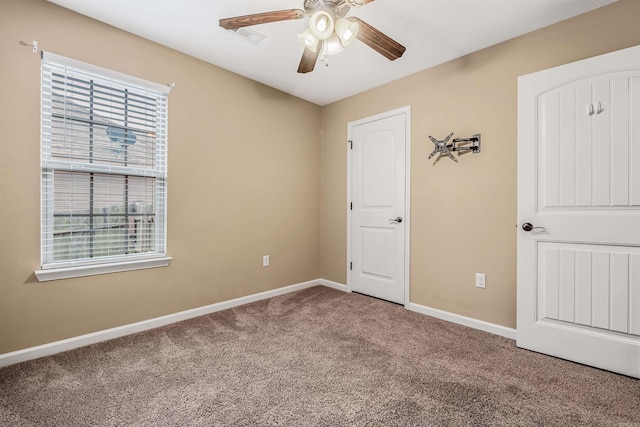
[{"x": 339, "y": 8}]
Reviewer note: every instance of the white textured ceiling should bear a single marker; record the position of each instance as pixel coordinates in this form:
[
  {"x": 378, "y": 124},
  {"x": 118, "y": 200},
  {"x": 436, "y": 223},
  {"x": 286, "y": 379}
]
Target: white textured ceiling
[{"x": 433, "y": 31}]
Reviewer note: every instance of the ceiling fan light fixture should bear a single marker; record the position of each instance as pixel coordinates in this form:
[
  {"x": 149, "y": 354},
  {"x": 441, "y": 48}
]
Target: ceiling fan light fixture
[
  {"x": 332, "y": 45},
  {"x": 321, "y": 24},
  {"x": 309, "y": 41},
  {"x": 347, "y": 31}
]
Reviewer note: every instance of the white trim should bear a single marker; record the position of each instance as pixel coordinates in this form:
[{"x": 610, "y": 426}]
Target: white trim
[
  {"x": 334, "y": 285},
  {"x": 406, "y": 110},
  {"x": 18, "y": 356},
  {"x": 492, "y": 328},
  {"x": 349, "y": 198},
  {"x": 407, "y": 208},
  {"x": 349, "y": 161},
  {"x": 49, "y": 349},
  {"x": 92, "y": 270}
]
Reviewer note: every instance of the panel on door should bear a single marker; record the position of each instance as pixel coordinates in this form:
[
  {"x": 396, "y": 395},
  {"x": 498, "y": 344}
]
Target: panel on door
[
  {"x": 588, "y": 143},
  {"x": 590, "y": 285},
  {"x": 378, "y": 208},
  {"x": 578, "y": 180}
]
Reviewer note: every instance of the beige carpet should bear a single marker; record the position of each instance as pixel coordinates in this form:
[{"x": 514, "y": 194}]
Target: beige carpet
[{"x": 318, "y": 357}]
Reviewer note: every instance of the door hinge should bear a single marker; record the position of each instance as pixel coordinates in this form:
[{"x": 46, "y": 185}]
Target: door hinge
[
  {"x": 350, "y": 266},
  {"x": 350, "y": 144}
]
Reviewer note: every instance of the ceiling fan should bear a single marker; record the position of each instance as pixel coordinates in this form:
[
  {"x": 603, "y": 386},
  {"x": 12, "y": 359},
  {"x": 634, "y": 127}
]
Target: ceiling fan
[{"x": 329, "y": 32}]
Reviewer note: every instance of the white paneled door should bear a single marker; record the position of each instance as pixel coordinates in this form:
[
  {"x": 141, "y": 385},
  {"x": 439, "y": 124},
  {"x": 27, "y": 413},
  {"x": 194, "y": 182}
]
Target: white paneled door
[
  {"x": 378, "y": 206},
  {"x": 579, "y": 211}
]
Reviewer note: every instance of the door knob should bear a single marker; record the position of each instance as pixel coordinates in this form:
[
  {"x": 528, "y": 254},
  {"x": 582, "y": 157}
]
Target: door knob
[
  {"x": 527, "y": 226},
  {"x": 398, "y": 220}
]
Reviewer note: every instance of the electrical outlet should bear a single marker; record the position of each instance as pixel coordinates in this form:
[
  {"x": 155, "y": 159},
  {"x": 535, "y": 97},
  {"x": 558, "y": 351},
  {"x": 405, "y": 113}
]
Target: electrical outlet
[
  {"x": 265, "y": 261},
  {"x": 480, "y": 280}
]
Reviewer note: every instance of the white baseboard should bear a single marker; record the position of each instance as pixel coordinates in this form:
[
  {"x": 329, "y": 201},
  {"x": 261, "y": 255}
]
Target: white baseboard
[
  {"x": 18, "y": 356},
  {"x": 503, "y": 331},
  {"x": 463, "y": 320},
  {"x": 334, "y": 285}
]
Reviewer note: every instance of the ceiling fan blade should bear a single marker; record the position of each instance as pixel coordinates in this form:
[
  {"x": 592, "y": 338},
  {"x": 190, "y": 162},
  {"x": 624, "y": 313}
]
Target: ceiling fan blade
[
  {"x": 261, "y": 18},
  {"x": 378, "y": 41},
  {"x": 308, "y": 61}
]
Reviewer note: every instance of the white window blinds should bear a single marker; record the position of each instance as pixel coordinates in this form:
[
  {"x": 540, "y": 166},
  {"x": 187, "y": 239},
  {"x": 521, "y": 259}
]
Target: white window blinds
[{"x": 104, "y": 165}]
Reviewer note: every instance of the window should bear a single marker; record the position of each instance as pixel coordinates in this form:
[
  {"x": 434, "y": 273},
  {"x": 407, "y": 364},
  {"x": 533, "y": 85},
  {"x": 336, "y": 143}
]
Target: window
[{"x": 104, "y": 170}]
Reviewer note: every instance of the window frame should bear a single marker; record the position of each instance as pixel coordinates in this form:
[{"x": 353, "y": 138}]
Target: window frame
[{"x": 77, "y": 267}]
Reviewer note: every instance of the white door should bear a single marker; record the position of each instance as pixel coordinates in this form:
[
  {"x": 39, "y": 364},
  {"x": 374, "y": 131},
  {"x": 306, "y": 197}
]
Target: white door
[
  {"x": 378, "y": 206},
  {"x": 579, "y": 179}
]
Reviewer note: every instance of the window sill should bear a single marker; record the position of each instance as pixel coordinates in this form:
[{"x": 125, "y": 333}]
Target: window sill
[{"x": 92, "y": 270}]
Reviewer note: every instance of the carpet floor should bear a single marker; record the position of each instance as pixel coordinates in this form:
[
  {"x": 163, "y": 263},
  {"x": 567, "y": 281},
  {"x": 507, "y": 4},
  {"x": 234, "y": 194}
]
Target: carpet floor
[{"x": 317, "y": 357}]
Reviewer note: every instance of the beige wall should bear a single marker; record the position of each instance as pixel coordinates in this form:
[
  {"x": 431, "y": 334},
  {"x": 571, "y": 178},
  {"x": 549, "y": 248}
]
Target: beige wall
[
  {"x": 244, "y": 182},
  {"x": 463, "y": 216},
  {"x": 254, "y": 171}
]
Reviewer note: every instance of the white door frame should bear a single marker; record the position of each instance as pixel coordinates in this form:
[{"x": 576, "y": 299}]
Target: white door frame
[{"x": 406, "y": 110}]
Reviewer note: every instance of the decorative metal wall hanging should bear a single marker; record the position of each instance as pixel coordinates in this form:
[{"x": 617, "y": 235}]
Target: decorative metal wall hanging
[{"x": 461, "y": 145}]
